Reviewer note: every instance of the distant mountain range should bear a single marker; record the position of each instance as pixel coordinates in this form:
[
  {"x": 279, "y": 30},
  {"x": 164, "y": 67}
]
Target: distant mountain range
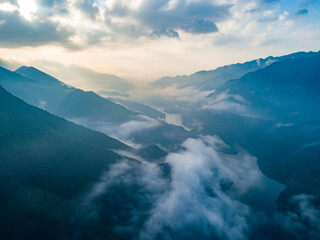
[{"x": 210, "y": 80}]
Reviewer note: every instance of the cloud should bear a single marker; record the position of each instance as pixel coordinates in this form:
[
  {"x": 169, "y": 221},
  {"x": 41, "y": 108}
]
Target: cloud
[
  {"x": 167, "y": 17},
  {"x": 192, "y": 195},
  {"x": 16, "y": 31},
  {"x": 170, "y": 97},
  {"x": 302, "y": 12},
  {"x": 131, "y": 127},
  {"x": 124, "y": 132},
  {"x": 265, "y": 23},
  {"x": 89, "y": 8},
  {"x": 306, "y": 210},
  {"x": 10, "y": 64},
  {"x": 270, "y": 1},
  {"x": 35, "y": 23},
  {"x": 133, "y": 24},
  {"x": 198, "y": 198},
  {"x": 44, "y": 22},
  {"x": 74, "y": 75},
  {"x": 195, "y": 194},
  {"x": 165, "y": 32},
  {"x": 231, "y": 103},
  {"x": 119, "y": 203},
  {"x": 302, "y": 221}
]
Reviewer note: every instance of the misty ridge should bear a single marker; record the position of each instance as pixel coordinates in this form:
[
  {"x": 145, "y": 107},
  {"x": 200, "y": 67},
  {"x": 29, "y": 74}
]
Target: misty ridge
[{"x": 231, "y": 153}]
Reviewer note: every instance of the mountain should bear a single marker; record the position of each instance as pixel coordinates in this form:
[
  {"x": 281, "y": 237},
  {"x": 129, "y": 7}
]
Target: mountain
[
  {"x": 289, "y": 87},
  {"x": 81, "y": 104},
  {"x": 88, "y": 109},
  {"x": 36, "y": 75},
  {"x": 47, "y": 163},
  {"x": 46, "y": 96},
  {"x": 210, "y": 80},
  {"x": 274, "y": 113},
  {"x": 44, "y": 91}
]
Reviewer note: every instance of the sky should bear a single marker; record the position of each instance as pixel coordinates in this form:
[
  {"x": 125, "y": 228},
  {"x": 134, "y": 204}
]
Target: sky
[{"x": 143, "y": 40}]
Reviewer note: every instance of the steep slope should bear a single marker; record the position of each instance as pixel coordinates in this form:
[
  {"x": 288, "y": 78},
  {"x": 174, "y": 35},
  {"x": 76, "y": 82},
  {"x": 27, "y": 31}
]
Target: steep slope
[
  {"x": 209, "y": 80},
  {"x": 46, "y": 164},
  {"x": 85, "y": 108},
  {"x": 273, "y": 112},
  {"x": 35, "y": 74},
  {"x": 81, "y": 104},
  {"x": 45, "y": 93},
  {"x": 289, "y": 88},
  {"x": 37, "y": 133},
  {"x": 42, "y": 90}
]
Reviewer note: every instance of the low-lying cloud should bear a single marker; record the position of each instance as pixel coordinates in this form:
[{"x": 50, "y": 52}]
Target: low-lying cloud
[
  {"x": 231, "y": 103},
  {"x": 195, "y": 194},
  {"x": 302, "y": 220},
  {"x": 198, "y": 198},
  {"x": 123, "y": 131},
  {"x": 195, "y": 189}
]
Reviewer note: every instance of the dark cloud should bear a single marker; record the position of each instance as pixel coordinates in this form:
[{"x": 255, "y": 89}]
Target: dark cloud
[
  {"x": 165, "y": 32},
  {"x": 302, "y": 220},
  {"x": 159, "y": 18},
  {"x": 88, "y": 8},
  {"x": 270, "y": 1},
  {"x": 201, "y": 26},
  {"x": 16, "y": 31},
  {"x": 302, "y": 12},
  {"x": 306, "y": 210},
  {"x": 151, "y": 18},
  {"x": 52, "y": 3},
  {"x": 53, "y": 8}
]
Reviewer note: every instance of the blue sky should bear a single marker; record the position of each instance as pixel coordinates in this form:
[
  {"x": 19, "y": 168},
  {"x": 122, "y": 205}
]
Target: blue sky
[{"x": 147, "y": 39}]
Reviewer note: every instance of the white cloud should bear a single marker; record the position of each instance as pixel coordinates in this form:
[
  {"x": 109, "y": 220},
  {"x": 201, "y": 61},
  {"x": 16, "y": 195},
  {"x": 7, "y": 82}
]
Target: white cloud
[
  {"x": 27, "y": 8},
  {"x": 302, "y": 220},
  {"x": 186, "y": 95},
  {"x": 307, "y": 211},
  {"x": 231, "y": 103},
  {"x": 7, "y": 7},
  {"x": 123, "y": 131},
  {"x": 196, "y": 200}
]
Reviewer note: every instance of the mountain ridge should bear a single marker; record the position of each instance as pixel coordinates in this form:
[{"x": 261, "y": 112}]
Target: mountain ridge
[
  {"x": 206, "y": 80},
  {"x": 44, "y": 91}
]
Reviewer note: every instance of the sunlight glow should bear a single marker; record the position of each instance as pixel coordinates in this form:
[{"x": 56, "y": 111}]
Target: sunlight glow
[
  {"x": 7, "y": 7},
  {"x": 27, "y": 8}
]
